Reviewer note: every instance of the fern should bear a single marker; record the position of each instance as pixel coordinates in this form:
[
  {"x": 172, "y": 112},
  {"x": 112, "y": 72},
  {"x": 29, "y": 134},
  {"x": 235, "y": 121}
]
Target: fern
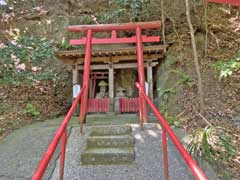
[{"x": 212, "y": 143}]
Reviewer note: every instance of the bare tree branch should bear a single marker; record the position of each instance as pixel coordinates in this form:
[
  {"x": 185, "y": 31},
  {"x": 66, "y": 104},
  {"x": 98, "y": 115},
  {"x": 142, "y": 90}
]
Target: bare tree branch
[{"x": 195, "y": 57}]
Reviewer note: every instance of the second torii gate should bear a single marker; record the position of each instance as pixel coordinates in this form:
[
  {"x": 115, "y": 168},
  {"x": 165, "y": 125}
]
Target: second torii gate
[
  {"x": 89, "y": 40},
  {"x": 231, "y": 2}
]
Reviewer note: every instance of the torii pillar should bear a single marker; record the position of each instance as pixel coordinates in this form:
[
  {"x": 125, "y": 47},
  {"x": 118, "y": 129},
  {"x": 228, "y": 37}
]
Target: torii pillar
[
  {"x": 141, "y": 76},
  {"x": 86, "y": 74}
]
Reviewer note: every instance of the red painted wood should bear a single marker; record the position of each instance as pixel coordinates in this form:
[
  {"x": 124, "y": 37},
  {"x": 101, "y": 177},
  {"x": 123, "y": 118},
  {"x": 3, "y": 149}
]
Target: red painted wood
[
  {"x": 140, "y": 112},
  {"x": 129, "y": 105},
  {"x": 197, "y": 172},
  {"x": 98, "y": 105},
  {"x": 165, "y": 154},
  {"x": 86, "y": 74},
  {"x": 141, "y": 74},
  {"x": 133, "y": 39},
  {"x": 232, "y": 2},
  {"x": 114, "y": 34},
  {"x": 110, "y": 27},
  {"x": 43, "y": 164},
  {"x": 62, "y": 155}
]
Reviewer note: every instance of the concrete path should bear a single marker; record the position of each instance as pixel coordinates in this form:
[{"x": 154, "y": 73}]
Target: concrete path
[
  {"x": 147, "y": 166},
  {"x": 21, "y": 151}
]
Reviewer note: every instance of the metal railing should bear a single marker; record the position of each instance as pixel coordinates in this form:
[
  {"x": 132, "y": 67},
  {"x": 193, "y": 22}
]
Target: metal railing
[
  {"x": 61, "y": 134},
  {"x": 166, "y": 130}
]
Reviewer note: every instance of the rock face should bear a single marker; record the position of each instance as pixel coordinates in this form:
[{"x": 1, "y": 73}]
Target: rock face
[
  {"x": 167, "y": 84},
  {"x": 236, "y": 121},
  {"x": 109, "y": 145}
]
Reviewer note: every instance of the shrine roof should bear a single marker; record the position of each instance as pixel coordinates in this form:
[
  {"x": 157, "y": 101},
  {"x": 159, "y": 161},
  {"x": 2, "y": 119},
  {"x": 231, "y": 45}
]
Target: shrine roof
[{"x": 113, "y": 54}]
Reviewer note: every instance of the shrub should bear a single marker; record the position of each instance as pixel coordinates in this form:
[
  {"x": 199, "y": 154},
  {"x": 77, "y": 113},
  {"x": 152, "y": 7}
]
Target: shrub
[
  {"x": 227, "y": 68},
  {"x": 212, "y": 143},
  {"x": 23, "y": 60},
  {"x": 31, "y": 110}
]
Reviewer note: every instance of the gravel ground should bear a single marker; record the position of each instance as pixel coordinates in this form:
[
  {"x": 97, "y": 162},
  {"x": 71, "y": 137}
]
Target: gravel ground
[{"x": 148, "y": 164}]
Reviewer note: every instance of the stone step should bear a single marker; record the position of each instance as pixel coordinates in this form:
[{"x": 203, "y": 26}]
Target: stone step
[
  {"x": 107, "y": 156},
  {"x": 110, "y": 141},
  {"x": 110, "y": 130}
]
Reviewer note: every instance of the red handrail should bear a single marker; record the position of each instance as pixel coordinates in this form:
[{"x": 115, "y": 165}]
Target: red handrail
[
  {"x": 197, "y": 172},
  {"x": 60, "y": 134}
]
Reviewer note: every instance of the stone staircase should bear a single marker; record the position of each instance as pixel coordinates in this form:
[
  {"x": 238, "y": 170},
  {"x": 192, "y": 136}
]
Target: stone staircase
[{"x": 108, "y": 145}]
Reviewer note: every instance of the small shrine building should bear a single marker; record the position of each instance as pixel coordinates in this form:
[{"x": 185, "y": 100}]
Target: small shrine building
[{"x": 114, "y": 71}]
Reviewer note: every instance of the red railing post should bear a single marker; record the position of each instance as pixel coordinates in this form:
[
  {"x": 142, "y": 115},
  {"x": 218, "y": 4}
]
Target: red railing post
[
  {"x": 86, "y": 75},
  {"x": 196, "y": 171},
  {"x": 140, "y": 111},
  {"x": 52, "y": 146},
  {"x": 165, "y": 154},
  {"x": 141, "y": 77},
  {"x": 62, "y": 155}
]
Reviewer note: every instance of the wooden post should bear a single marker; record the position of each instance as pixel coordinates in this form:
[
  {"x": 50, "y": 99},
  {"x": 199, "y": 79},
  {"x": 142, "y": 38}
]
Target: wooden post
[
  {"x": 75, "y": 80},
  {"x": 111, "y": 87},
  {"x": 75, "y": 74},
  {"x": 150, "y": 80},
  {"x": 91, "y": 88}
]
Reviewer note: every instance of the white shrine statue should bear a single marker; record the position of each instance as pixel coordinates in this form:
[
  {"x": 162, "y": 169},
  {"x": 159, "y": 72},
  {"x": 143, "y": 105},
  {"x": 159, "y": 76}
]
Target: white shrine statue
[
  {"x": 103, "y": 88},
  {"x": 121, "y": 92}
]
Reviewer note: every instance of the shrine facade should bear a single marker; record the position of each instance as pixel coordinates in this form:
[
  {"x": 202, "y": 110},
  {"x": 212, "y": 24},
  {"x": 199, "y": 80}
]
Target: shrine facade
[{"x": 114, "y": 69}]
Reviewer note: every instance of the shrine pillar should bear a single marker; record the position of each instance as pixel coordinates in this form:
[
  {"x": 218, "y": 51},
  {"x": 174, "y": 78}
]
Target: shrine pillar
[
  {"x": 150, "y": 80},
  {"x": 75, "y": 85},
  {"x": 111, "y": 87}
]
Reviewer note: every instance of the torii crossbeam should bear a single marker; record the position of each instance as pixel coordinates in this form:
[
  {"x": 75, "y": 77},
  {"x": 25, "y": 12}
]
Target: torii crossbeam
[{"x": 231, "y": 2}]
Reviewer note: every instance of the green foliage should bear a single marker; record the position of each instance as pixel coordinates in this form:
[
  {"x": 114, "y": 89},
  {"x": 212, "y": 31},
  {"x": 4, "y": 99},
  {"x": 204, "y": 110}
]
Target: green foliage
[
  {"x": 22, "y": 60},
  {"x": 112, "y": 16},
  {"x": 65, "y": 45},
  {"x": 2, "y": 130},
  {"x": 31, "y": 110},
  {"x": 33, "y": 50},
  {"x": 184, "y": 78},
  {"x": 165, "y": 94},
  {"x": 177, "y": 124},
  {"x": 227, "y": 175},
  {"x": 212, "y": 143},
  {"x": 130, "y": 9},
  {"x": 167, "y": 91},
  {"x": 227, "y": 68},
  {"x": 170, "y": 118}
]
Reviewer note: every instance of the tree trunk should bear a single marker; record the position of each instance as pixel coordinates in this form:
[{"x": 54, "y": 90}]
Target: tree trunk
[
  {"x": 195, "y": 57},
  {"x": 206, "y": 28},
  {"x": 163, "y": 22}
]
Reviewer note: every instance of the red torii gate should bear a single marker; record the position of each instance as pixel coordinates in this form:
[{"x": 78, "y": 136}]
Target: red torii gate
[
  {"x": 113, "y": 28},
  {"x": 231, "y": 2}
]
